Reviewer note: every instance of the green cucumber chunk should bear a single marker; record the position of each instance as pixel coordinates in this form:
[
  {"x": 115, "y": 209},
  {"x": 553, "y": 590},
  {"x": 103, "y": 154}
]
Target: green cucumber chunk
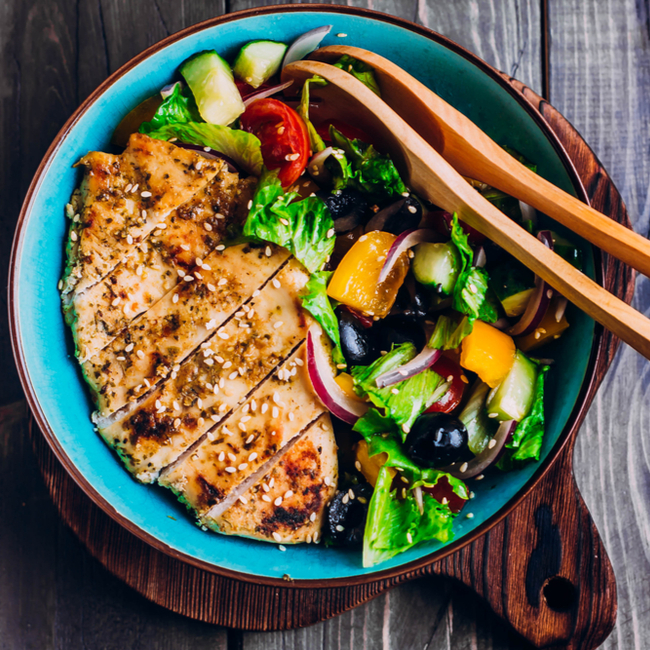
[
  {"x": 516, "y": 304},
  {"x": 480, "y": 428},
  {"x": 512, "y": 284},
  {"x": 437, "y": 265},
  {"x": 210, "y": 80},
  {"x": 258, "y": 61},
  {"x": 513, "y": 398}
]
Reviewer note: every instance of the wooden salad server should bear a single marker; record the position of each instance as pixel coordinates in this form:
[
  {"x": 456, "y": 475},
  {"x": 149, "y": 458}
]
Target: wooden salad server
[
  {"x": 475, "y": 155},
  {"x": 433, "y": 178}
]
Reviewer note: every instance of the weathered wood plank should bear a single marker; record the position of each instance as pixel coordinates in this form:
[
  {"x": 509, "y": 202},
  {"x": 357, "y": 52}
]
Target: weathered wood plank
[{"x": 600, "y": 80}]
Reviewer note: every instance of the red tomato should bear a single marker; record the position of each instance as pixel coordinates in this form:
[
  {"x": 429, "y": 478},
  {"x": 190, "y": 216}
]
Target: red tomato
[
  {"x": 283, "y": 134},
  {"x": 441, "y": 222},
  {"x": 446, "y": 368},
  {"x": 443, "y": 490},
  {"x": 347, "y": 130}
]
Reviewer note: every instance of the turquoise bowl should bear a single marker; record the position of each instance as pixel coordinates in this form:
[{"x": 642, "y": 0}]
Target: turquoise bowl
[{"x": 43, "y": 345}]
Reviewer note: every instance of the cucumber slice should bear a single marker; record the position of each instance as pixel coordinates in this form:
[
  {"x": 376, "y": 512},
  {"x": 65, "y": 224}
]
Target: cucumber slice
[
  {"x": 437, "y": 265},
  {"x": 515, "y": 305},
  {"x": 513, "y": 398},
  {"x": 210, "y": 80},
  {"x": 480, "y": 428},
  {"x": 512, "y": 284},
  {"x": 258, "y": 61}
]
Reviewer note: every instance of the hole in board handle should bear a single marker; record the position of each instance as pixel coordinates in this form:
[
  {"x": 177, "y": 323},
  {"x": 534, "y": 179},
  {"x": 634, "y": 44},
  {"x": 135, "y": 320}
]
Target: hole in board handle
[{"x": 559, "y": 593}]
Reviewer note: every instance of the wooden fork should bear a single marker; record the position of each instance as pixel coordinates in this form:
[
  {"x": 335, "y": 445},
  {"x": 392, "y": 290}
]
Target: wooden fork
[
  {"x": 474, "y": 154},
  {"x": 433, "y": 178}
]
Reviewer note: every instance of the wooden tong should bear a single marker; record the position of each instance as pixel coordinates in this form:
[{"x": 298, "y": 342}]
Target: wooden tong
[{"x": 434, "y": 178}]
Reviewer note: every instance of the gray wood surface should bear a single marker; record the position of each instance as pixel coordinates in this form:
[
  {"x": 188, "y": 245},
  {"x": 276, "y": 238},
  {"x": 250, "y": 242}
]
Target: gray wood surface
[{"x": 54, "y": 52}]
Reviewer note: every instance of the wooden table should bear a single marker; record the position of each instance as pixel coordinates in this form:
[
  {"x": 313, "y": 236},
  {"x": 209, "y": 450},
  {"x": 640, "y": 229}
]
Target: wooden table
[{"x": 591, "y": 58}]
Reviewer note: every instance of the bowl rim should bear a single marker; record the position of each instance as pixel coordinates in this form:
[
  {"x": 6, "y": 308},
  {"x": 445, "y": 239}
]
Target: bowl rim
[{"x": 575, "y": 418}]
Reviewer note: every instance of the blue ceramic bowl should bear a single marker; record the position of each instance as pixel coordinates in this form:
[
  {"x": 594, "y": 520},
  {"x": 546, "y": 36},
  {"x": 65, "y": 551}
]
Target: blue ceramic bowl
[{"x": 43, "y": 345}]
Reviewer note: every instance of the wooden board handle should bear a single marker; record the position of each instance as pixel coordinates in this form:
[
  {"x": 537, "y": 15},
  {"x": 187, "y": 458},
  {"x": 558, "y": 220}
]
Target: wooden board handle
[{"x": 544, "y": 569}]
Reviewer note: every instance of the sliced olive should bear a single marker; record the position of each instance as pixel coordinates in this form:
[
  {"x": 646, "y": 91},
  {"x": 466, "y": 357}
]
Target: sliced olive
[
  {"x": 413, "y": 300},
  {"x": 347, "y": 513},
  {"x": 348, "y": 208},
  {"x": 437, "y": 440},
  {"x": 356, "y": 343},
  {"x": 407, "y": 217}
]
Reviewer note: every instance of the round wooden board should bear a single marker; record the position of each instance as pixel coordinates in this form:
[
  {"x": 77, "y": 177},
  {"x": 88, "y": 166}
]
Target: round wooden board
[{"x": 543, "y": 568}]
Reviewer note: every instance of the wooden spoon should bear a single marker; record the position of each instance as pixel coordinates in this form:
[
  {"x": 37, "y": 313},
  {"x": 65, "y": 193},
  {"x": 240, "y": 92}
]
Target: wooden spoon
[
  {"x": 474, "y": 154},
  {"x": 433, "y": 178}
]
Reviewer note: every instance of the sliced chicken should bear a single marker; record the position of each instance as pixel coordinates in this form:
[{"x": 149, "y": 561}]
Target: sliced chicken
[
  {"x": 124, "y": 198},
  {"x": 155, "y": 343},
  {"x": 287, "y": 505},
  {"x": 191, "y": 231},
  {"x": 215, "y": 379},
  {"x": 271, "y": 417}
]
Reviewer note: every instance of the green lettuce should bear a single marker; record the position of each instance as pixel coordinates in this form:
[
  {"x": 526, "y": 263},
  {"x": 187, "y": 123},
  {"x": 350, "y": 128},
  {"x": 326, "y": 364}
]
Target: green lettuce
[
  {"x": 241, "y": 147},
  {"x": 178, "y": 107},
  {"x": 315, "y": 141},
  {"x": 526, "y": 442},
  {"x": 407, "y": 399},
  {"x": 470, "y": 295},
  {"x": 394, "y": 525},
  {"x": 448, "y": 334},
  {"x": 362, "y": 71},
  {"x": 305, "y": 228},
  {"x": 316, "y": 301},
  {"x": 363, "y": 168}
]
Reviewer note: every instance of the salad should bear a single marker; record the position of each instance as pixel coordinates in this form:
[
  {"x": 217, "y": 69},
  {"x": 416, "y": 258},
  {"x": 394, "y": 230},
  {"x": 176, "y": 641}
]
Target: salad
[{"x": 426, "y": 337}]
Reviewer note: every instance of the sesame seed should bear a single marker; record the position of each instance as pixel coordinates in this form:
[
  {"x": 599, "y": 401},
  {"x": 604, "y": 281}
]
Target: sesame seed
[
  {"x": 222, "y": 282},
  {"x": 127, "y": 189},
  {"x": 129, "y": 239},
  {"x": 330, "y": 233},
  {"x": 308, "y": 540},
  {"x": 140, "y": 354},
  {"x": 210, "y": 436},
  {"x": 412, "y": 209},
  {"x": 444, "y": 501},
  {"x": 121, "y": 358},
  {"x": 223, "y": 335},
  {"x": 345, "y": 499},
  {"x": 409, "y": 537},
  {"x": 250, "y": 204},
  {"x": 316, "y": 537},
  {"x": 181, "y": 273},
  {"x": 464, "y": 379},
  {"x": 233, "y": 375},
  {"x": 221, "y": 247},
  {"x": 73, "y": 236},
  {"x": 241, "y": 426},
  {"x": 291, "y": 417},
  {"x": 267, "y": 251},
  {"x": 299, "y": 362},
  {"x": 145, "y": 194},
  {"x": 472, "y": 495},
  {"x": 312, "y": 516},
  {"x": 340, "y": 528},
  {"x": 226, "y": 430},
  {"x": 275, "y": 412},
  {"x": 276, "y": 536},
  {"x": 220, "y": 216},
  {"x": 472, "y": 288},
  {"x": 363, "y": 238},
  {"x": 207, "y": 226},
  {"x": 406, "y": 428},
  {"x": 351, "y": 494},
  {"x": 177, "y": 423},
  {"x": 493, "y": 415},
  {"x": 357, "y": 464},
  {"x": 271, "y": 482},
  {"x": 242, "y": 466},
  {"x": 144, "y": 214},
  {"x": 278, "y": 501},
  {"x": 470, "y": 515},
  {"x": 264, "y": 408},
  {"x": 211, "y": 287},
  {"x": 266, "y": 497},
  {"x": 291, "y": 156},
  {"x": 230, "y": 470},
  {"x": 341, "y": 35},
  {"x": 284, "y": 222},
  {"x": 327, "y": 481},
  {"x": 549, "y": 293},
  {"x": 492, "y": 444},
  {"x": 463, "y": 468},
  {"x": 277, "y": 325},
  {"x": 395, "y": 391},
  {"x": 288, "y": 493},
  {"x": 252, "y": 457},
  {"x": 221, "y": 456},
  {"x": 480, "y": 477},
  {"x": 256, "y": 293},
  {"x": 276, "y": 283},
  {"x": 243, "y": 499}
]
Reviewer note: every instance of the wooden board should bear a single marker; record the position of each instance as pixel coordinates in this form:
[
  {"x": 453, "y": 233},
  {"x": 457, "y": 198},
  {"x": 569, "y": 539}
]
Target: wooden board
[{"x": 507, "y": 566}]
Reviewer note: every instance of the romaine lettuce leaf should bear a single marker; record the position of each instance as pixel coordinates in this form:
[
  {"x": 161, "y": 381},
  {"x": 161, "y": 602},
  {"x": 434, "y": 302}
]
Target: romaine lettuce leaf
[
  {"x": 362, "y": 71},
  {"x": 470, "y": 295},
  {"x": 363, "y": 168},
  {"x": 316, "y": 301},
  {"x": 315, "y": 141},
  {"x": 395, "y": 525},
  {"x": 407, "y": 399},
  {"x": 241, "y": 147},
  {"x": 178, "y": 107},
  {"x": 526, "y": 443},
  {"x": 448, "y": 334},
  {"x": 305, "y": 227}
]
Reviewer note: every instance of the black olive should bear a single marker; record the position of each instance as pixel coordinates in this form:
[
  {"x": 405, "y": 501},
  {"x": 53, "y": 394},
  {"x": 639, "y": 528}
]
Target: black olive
[
  {"x": 357, "y": 346},
  {"x": 437, "y": 440},
  {"x": 346, "y": 516},
  {"x": 397, "y": 330},
  {"x": 406, "y": 218},
  {"x": 348, "y": 208},
  {"x": 413, "y": 300}
]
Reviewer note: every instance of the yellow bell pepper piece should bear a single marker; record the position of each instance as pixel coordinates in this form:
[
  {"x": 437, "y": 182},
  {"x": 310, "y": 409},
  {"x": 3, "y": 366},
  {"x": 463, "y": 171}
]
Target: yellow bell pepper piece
[
  {"x": 369, "y": 466},
  {"x": 488, "y": 352},
  {"x": 356, "y": 280}
]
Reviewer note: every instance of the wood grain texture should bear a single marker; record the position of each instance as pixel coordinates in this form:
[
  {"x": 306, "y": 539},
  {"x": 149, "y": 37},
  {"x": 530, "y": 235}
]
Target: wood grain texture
[{"x": 600, "y": 79}]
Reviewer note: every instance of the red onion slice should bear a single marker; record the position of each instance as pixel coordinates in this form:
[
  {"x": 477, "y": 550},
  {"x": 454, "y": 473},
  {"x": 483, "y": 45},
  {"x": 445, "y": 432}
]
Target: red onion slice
[
  {"x": 540, "y": 299},
  {"x": 406, "y": 240},
  {"x": 265, "y": 92},
  {"x": 480, "y": 259},
  {"x": 211, "y": 154},
  {"x": 169, "y": 89},
  {"x": 305, "y": 44},
  {"x": 322, "y": 379},
  {"x": 487, "y": 457},
  {"x": 316, "y": 165},
  {"x": 415, "y": 366}
]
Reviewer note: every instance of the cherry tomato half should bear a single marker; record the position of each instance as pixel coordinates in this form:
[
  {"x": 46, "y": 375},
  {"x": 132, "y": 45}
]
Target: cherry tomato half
[
  {"x": 283, "y": 134},
  {"x": 440, "y": 221},
  {"x": 447, "y": 368},
  {"x": 245, "y": 90},
  {"x": 443, "y": 490},
  {"x": 349, "y": 131}
]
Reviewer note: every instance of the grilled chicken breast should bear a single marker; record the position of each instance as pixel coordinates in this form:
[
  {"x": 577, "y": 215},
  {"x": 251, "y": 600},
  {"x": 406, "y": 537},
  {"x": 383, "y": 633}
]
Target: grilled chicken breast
[
  {"x": 215, "y": 379},
  {"x": 194, "y": 352}
]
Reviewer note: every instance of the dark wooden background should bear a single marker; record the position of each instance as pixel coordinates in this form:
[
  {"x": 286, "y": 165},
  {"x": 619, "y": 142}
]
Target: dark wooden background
[{"x": 591, "y": 58}]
